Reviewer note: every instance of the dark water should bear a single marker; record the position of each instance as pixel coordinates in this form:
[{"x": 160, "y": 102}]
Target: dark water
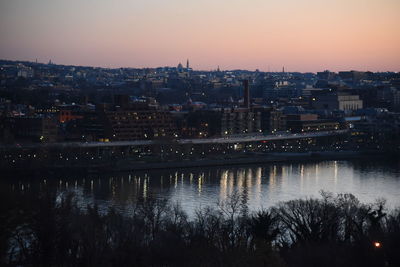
[{"x": 262, "y": 185}]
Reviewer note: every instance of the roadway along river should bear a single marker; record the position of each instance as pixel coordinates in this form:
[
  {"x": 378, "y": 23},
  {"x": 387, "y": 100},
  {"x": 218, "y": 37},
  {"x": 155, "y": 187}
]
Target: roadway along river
[{"x": 259, "y": 185}]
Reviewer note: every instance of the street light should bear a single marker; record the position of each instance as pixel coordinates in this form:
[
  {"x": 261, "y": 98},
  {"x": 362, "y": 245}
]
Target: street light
[{"x": 377, "y": 244}]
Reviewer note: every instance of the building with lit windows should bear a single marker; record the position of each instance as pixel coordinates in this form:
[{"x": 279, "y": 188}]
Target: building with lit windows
[
  {"x": 337, "y": 101},
  {"x": 125, "y": 125}
]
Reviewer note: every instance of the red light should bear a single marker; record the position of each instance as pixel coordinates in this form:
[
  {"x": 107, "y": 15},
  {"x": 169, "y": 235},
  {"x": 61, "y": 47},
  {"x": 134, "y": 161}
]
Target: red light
[{"x": 377, "y": 244}]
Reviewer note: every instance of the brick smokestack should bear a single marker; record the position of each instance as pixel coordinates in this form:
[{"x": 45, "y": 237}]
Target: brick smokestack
[{"x": 246, "y": 94}]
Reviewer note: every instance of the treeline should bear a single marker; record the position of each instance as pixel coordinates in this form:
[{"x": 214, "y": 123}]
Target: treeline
[{"x": 50, "y": 230}]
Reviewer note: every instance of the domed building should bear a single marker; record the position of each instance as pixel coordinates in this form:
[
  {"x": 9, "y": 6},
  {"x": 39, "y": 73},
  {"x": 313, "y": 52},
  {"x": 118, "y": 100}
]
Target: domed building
[{"x": 180, "y": 67}]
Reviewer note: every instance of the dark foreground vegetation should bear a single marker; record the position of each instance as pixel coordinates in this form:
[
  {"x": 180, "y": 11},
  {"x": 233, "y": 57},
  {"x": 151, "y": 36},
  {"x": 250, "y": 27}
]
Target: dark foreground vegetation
[{"x": 49, "y": 230}]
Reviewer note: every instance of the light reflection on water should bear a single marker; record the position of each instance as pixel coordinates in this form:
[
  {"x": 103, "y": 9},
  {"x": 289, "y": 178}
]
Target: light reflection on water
[{"x": 260, "y": 186}]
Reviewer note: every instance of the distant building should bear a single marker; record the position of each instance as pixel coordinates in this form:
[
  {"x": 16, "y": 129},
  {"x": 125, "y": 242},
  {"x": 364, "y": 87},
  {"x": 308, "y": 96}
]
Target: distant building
[
  {"x": 298, "y": 123},
  {"x": 277, "y": 121},
  {"x": 240, "y": 121},
  {"x": 126, "y": 125},
  {"x": 25, "y": 72},
  {"x": 396, "y": 100},
  {"x": 246, "y": 94},
  {"x": 70, "y": 112},
  {"x": 224, "y": 122},
  {"x": 179, "y": 68},
  {"x": 337, "y": 101},
  {"x": 33, "y": 129},
  {"x": 326, "y": 75},
  {"x": 354, "y": 76}
]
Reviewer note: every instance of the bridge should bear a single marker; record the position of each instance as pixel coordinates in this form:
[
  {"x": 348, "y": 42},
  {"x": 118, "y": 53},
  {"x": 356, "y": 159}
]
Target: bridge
[{"x": 219, "y": 140}]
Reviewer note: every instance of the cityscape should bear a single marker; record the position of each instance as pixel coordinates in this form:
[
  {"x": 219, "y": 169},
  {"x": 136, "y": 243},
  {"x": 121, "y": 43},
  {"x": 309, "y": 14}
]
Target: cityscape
[
  {"x": 200, "y": 133},
  {"x": 75, "y": 117}
]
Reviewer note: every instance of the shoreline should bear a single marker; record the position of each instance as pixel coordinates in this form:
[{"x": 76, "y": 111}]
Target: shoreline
[
  {"x": 257, "y": 159},
  {"x": 129, "y": 165}
]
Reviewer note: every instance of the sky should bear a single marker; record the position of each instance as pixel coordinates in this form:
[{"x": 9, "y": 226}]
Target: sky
[{"x": 301, "y": 35}]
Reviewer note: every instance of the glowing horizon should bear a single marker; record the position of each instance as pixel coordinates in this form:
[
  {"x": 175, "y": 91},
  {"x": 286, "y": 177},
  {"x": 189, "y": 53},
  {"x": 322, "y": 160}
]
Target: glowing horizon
[{"x": 302, "y": 35}]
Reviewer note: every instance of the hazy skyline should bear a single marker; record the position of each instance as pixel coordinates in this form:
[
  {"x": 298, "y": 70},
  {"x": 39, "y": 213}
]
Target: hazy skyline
[{"x": 302, "y": 35}]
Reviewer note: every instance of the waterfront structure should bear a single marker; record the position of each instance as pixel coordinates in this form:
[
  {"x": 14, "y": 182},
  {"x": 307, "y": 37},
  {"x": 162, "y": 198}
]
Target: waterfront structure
[
  {"x": 221, "y": 122},
  {"x": 120, "y": 155},
  {"x": 133, "y": 124}
]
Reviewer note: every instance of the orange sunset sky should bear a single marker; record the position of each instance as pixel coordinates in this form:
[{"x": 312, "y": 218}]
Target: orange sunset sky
[{"x": 302, "y": 35}]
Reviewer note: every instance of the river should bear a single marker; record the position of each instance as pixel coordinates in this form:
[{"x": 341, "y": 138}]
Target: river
[{"x": 261, "y": 186}]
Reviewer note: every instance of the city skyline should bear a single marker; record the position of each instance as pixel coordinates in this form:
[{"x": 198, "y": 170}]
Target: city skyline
[
  {"x": 200, "y": 133},
  {"x": 303, "y": 36}
]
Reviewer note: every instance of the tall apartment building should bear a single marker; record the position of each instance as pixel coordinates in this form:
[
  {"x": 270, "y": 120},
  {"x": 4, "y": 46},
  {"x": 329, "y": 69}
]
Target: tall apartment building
[
  {"x": 240, "y": 121},
  {"x": 222, "y": 122}
]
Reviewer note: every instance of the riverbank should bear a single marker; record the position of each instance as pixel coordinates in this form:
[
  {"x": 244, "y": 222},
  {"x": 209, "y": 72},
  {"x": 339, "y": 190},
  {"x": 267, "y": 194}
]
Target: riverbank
[
  {"x": 75, "y": 236},
  {"x": 131, "y": 164},
  {"x": 251, "y": 158}
]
